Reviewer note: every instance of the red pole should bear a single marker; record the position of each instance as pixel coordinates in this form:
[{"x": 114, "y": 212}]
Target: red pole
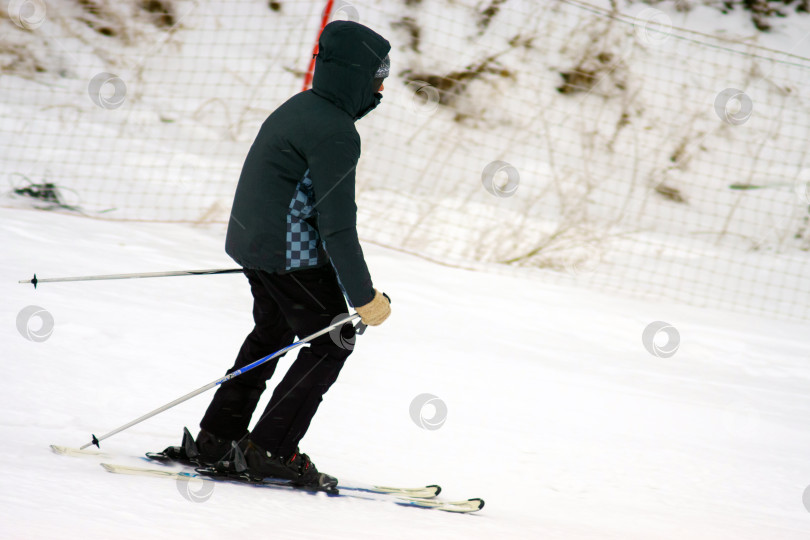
[{"x": 327, "y": 12}]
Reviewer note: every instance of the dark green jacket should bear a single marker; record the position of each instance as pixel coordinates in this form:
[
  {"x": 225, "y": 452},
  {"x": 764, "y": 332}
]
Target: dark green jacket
[{"x": 294, "y": 205}]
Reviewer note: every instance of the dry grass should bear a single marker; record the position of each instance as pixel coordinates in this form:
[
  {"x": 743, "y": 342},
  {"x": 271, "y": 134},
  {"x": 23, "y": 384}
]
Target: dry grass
[
  {"x": 27, "y": 52},
  {"x": 589, "y": 72},
  {"x": 114, "y": 18}
]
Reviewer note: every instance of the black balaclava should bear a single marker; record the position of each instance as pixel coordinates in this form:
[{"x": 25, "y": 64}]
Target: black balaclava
[{"x": 349, "y": 57}]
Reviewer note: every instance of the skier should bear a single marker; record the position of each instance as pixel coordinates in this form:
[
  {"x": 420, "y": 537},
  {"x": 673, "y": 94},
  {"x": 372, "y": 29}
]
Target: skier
[{"x": 293, "y": 230}]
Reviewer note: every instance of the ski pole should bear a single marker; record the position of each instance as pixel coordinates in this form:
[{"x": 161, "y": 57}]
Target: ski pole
[
  {"x": 132, "y": 276},
  {"x": 96, "y": 440}
]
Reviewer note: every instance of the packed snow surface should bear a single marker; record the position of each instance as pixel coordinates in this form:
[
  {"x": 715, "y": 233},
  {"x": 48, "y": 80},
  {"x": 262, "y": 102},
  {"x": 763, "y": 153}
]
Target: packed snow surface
[{"x": 557, "y": 415}]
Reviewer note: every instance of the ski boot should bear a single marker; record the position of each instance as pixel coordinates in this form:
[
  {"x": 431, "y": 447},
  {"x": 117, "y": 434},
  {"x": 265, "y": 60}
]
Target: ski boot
[
  {"x": 208, "y": 449},
  {"x": 298, "y": 469}
]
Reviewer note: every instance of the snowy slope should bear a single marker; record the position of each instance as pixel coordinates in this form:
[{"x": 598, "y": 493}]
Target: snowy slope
[
  {"x": 196, "y": 96},
  {"x": 557, "y": 415}
]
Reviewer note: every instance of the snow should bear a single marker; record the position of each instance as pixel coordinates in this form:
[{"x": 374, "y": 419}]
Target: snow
[
  {"x": 196, "y": 97},
  {"x": 557, "y": 415}
]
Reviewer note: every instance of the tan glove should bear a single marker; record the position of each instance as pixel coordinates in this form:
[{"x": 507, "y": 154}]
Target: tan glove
[{"x": 376, "y": 311}]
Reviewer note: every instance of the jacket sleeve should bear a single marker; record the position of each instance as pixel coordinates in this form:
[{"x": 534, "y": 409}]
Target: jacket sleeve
[{"x": 332, "y": 165}]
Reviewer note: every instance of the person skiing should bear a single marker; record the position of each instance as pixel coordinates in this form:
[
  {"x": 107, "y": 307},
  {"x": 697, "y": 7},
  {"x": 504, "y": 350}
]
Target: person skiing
[{"x": 293, "y": 230}]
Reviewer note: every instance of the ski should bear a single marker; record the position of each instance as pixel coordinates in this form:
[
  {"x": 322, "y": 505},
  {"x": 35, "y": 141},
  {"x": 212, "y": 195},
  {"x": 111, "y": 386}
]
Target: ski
[
  {"x": 400, "y": 496},
  {"x": 76, "y": 452},
  {"x": 423, "y": 492},
  {"x": 423, "y": 497}
]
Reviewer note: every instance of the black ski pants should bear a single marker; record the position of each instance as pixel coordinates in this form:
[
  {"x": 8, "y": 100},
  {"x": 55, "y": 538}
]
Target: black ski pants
[{"x": 284, "y": 306}]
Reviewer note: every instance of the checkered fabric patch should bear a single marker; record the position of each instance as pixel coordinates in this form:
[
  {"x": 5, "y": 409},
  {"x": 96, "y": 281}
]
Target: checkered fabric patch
[{"x": 302, "y": 238}]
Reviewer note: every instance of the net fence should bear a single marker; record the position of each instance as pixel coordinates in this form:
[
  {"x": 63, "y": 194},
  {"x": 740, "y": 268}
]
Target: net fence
[{"x": 604, "y": 148}]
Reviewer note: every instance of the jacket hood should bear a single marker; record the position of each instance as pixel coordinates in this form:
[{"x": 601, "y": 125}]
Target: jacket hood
[{"x": 348, "y": 57}]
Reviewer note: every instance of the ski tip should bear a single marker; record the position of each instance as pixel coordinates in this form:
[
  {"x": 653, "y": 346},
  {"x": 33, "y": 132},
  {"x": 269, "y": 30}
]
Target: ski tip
[
  {"x": 160, "y": 457},
  {"x": 437, "y": 487},
  {"x": 70, "y": 451},
  {"x": 467, "y": 506}
]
